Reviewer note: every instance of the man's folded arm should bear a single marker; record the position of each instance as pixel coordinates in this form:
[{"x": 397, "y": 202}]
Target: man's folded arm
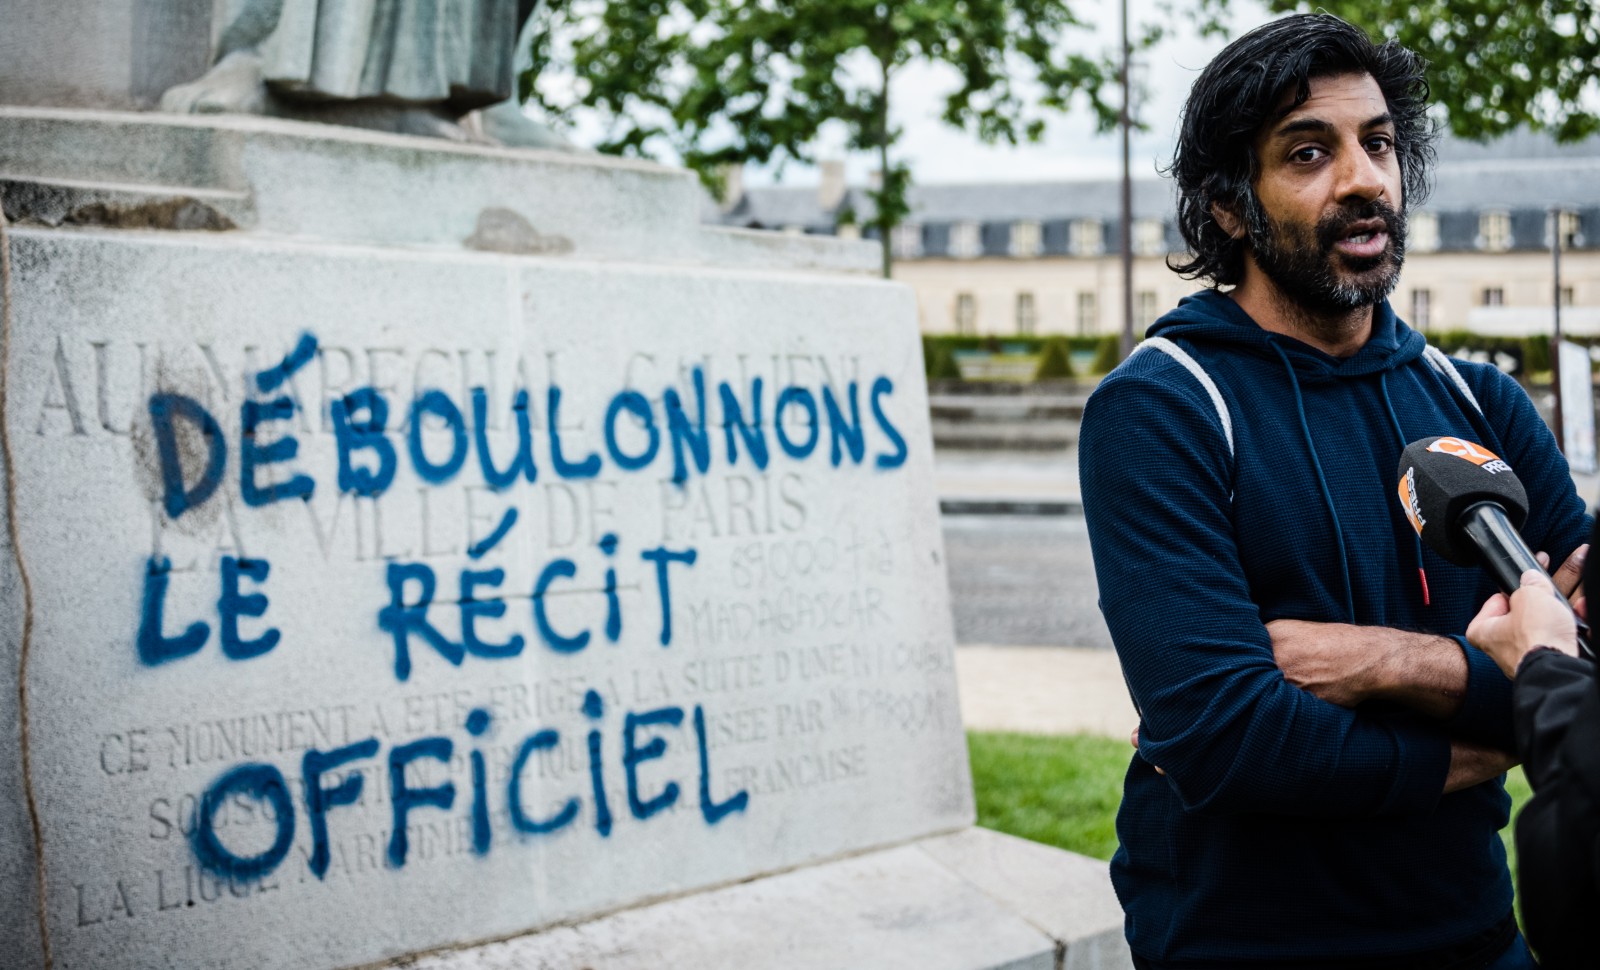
[
  {"x": 1441, "y": 676},
  {"x": 1217, "y": 715}
]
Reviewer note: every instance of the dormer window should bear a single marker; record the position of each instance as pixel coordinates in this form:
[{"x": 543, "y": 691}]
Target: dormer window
[
  {"x": 1494, "y": 231},
  {"x": 1422, "y": 232},
  {"x": 966, "y": 240},
  {"x": 1087, "y": 238},
  {"x": 1571, "y": 230},
  {"x": 1149, "y": 237},
  {"x": 907, "y": 240},
  {"x": 1026, "y": 239}
]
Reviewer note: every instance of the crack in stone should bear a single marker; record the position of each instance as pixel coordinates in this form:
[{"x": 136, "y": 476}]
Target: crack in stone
[{"x": 27, "y": 589}]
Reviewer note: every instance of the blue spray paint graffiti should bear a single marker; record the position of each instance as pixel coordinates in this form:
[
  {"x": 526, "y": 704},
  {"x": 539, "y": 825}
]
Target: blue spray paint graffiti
[
  {"x": 194, "y": 452},
  {"x": 265, "y": 783},
  {"x": 361, "y": 418}
]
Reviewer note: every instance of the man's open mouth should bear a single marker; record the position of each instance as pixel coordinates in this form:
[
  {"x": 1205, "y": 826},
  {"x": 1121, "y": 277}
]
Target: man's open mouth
[{"x": 1364, "y": 239}]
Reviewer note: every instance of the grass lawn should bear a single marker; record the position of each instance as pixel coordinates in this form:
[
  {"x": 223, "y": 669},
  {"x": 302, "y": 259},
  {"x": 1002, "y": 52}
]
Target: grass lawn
[{"x": 1064, "y": 791}]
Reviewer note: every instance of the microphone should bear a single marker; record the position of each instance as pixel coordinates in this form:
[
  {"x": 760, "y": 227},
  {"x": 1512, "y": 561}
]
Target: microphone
[{"x": 1467, "y": 505}]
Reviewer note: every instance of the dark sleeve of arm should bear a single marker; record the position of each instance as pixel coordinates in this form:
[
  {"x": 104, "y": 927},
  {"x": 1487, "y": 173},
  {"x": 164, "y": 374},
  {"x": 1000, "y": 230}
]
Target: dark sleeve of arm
[
  {"x": 1558, "y": 521},
  {"x": 1485, "y": 713},
  {"x": 1557, "y": 524},
  {"x": 1216, "y": 713},
  {"x": 1557, "y": 713}
]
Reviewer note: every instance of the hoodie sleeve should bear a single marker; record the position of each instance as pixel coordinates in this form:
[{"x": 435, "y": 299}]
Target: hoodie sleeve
[
  {"x": 1557, "y": 524},
  {"x": 1557, "y": 521},
  {"x": 1215, "y": 711}
]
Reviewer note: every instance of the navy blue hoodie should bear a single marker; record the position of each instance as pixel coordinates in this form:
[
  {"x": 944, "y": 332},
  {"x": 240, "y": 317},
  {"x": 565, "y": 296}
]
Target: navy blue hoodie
[{"x": 1287, "y": 828}]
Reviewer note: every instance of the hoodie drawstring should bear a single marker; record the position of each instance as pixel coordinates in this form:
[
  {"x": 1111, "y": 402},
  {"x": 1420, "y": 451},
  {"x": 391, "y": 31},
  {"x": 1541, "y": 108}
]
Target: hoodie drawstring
[
  {"x": 1322, "y": 480},
  {"x": 1416, "y": 541}
]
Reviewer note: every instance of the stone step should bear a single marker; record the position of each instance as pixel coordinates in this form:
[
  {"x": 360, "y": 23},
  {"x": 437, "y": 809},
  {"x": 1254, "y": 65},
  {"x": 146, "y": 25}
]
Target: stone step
[
  {"x": 1017, "y": 436},
  {"x": 970, "y": 900},
  {"x": 70, "y": 202}
]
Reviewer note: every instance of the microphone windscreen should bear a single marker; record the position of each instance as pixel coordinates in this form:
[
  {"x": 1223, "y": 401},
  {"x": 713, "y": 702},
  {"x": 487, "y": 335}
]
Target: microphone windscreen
[{"x": 1441, "y": 477}]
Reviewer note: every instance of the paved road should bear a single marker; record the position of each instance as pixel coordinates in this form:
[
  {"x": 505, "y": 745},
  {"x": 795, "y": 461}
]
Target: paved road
[{"x": 1023, "y": 580}]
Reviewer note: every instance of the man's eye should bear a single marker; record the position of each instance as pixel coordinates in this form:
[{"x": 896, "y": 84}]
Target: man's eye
[
  {"x": 1308, "y": 153},
  {"x": 1380, "y": 144}
]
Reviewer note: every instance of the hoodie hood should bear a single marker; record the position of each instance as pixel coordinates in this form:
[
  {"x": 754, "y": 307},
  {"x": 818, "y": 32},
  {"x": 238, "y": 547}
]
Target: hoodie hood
[{"x": 1210, "y": 317}]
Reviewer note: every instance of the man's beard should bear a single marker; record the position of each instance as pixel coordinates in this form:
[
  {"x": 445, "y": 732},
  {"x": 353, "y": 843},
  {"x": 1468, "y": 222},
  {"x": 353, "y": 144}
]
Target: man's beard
[{"x": 1316, "y": 279}]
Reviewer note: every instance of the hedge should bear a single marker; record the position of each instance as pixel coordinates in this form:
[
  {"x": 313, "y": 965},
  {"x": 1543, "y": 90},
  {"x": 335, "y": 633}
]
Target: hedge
[{"x": 941, "y": 350}]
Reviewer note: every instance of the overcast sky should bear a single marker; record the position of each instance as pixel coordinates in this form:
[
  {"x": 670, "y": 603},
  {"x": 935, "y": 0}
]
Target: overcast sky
[{"x": 1071, "y": 148}]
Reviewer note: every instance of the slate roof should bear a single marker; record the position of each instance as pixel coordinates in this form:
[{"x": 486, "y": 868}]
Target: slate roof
[{"x": 1523, "y": 173}]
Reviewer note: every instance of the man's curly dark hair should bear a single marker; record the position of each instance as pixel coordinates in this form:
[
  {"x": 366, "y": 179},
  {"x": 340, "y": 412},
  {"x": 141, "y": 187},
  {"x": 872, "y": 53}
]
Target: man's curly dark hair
[{"x": 1241, "y": 89}]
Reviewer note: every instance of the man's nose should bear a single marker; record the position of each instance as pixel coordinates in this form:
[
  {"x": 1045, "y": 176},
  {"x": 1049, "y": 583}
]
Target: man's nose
[{"x": 1360, "y": 176}]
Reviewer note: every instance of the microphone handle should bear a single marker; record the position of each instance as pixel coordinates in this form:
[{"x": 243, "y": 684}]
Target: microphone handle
[{"x": 1507, "y": 556}]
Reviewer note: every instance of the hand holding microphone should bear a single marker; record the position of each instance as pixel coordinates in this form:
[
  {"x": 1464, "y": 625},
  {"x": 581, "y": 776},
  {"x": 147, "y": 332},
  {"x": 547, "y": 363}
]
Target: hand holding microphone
[
  {"x": 1507, "y": 628},
  {"x": 1467, "y": 504}
]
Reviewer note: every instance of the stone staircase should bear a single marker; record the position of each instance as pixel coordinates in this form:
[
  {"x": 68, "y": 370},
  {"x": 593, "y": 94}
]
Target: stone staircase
[{"x": 1025, "y": 420}]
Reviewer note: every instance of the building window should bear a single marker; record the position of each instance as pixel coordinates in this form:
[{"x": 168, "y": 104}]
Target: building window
[
  {"x": 1494, "y": 296},
  {"x": 1571, "y": 230},
  {"x": 907, "y": 240},
  {"x": 1026, "y": 319},
  {"x": 1149, "y": 237},
  {"x": 1422, "y": 232},
  {"x": 1026, "y": 239},
  {"x": 1494, "y": 231},
  {"x": 1088, "y": 237},
  {"x": 1145, "y": 308},
  {"x": 966, "y": 240},
  {"x": 1566, "y": 296},
  {"x": 1088, "y": 317},
  {"x": 966, "y": 313},
  {"x": 1421, "y": 309}
]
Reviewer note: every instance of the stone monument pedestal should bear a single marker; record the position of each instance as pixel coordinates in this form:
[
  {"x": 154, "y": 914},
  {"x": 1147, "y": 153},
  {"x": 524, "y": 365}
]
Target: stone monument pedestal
[{"x": 458, "y": 554}]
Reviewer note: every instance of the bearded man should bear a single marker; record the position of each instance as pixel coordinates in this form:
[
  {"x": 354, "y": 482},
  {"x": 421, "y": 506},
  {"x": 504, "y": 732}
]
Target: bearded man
[{"x": 1319, "y": 771}]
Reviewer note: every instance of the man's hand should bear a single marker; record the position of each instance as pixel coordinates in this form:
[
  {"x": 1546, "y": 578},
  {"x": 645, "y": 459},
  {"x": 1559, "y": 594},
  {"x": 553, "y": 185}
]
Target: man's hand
[
  {"x": 1346, "y": 665},
  {"x": 1474, "y": 764},
  {"x": 1134, "y": 740},
  {"x": 1569, "y": 578},
  {"x": 1507, "y": 628}
]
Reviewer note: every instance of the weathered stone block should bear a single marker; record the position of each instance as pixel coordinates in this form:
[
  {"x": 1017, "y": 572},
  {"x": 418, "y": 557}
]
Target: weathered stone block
[{"x": 451, "y": 543}]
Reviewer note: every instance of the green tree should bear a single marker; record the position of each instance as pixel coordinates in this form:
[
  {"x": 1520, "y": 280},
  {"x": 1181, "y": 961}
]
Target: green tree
[
  {"x": 1108, "y": 356},
  {"x": 942, "y": 365},
  {"x": 734, "y": 81},
  {"x": 1494, "y": 65},
  {"x": 1055, "y": 360}
]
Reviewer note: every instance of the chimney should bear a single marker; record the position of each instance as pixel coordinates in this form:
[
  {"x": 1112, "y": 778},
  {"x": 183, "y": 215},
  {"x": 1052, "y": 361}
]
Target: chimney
[
  {"x": 830, "y": 191},
  {"x": 732, "y": 186}
]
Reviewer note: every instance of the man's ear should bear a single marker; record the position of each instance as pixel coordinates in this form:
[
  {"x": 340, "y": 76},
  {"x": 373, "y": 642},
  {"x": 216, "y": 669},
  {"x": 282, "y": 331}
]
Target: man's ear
[{"x": 1230, "y": 222}]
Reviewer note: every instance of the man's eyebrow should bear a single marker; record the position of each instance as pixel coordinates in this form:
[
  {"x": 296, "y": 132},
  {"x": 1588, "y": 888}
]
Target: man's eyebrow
[{"x": 1303, "y": 125}]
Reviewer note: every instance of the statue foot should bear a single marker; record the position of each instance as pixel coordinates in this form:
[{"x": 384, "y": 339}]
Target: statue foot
[
  {"x": 233, "y": 86},
  {"x": 505, "y": 124}
]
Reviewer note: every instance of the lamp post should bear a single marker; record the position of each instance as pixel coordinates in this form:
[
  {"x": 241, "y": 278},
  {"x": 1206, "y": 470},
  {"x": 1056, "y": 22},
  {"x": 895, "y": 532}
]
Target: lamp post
[{"x": 1557, "y": 418}]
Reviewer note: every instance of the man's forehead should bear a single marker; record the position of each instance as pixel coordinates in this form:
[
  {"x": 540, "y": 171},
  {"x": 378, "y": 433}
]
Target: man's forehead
[{"x": 1358, "y": 92}]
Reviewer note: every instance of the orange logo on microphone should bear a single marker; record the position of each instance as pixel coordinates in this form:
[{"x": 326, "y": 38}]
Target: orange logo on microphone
[
  {"x": 1477, "y": 454},
  {"x": 1408, "y": 500}
]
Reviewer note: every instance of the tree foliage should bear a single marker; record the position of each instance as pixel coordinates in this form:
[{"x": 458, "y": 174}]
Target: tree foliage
[
  {"x": 738, "y": 81},
  {"x": 1494, "y": 65},
  {"x": 1055, "y": 360}
]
